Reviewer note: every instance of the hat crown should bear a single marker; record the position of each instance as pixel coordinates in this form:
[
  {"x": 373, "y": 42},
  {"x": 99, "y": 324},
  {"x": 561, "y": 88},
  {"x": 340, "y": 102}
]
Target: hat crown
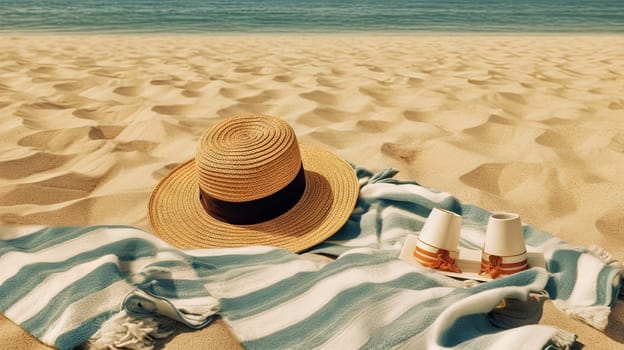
[{"x": 246, "y": 158}]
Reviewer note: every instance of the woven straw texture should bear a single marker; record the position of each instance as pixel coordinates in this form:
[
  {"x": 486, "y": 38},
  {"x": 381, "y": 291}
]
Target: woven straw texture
[
  {"x": 247, "y": 158},
  {"x": 263, "y": 151}
]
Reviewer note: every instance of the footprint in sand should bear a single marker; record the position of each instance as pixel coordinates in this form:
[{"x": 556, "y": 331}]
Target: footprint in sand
[
  {"x": 111, "y": 112},
  {"x": 111, "y": 208},
  {"x": 61, "y": 139},
  {"x": 320, "y": 97},
  {"x": 141, "y": 146},
  {"x": 162, "y": 172},
  {"x": 564, "y": 142},
  {"x": 380, "y": 95},
  {"x": 611, "y": 223},
  {"x": 283, "y": 78},
  {"x": 58, "y": 189},
  {"x": 375, "y": 68},
  {"x": 105, "y": 132},
  {"x": 46, "y": 105},
  {"x": 617, "y": 142},
  {"x": 332, "y": 82},
  {"x": 556, "y": 121},
  {"x": 496, "y": 130},
  {"x": 262, "y": 97},
  {"x": 415, "y": 82},
  {"x": 500, "y": 178},
  {"x": 419, "y": 116},
  {"x": 171, "y": 80},
  {"x": 191, "y": 93},
  {"x": 233, "y": 93},
  {"x": 195, "y": 85},
  {"x": 86, "y": 113},
  {"x": 374, "y": 126},
  {"x": 483, "y": 81},
  {"x": 510, "y": 98},
  {"x": 616, "y": 105},
  {"x": 44, "y": 70},
  {"x": 52, "y": 140},
  {"x": 74, "y": 86},
  {"x": 32, "y": 164},
  {"x": 128, "y": 91},
  {"x": 173, "y": 109},
  {"x": 334, "y": 115},
  {"x": 552, "y": 139},
  {"x": 336, "y": 139},
  {"x": 398, "y": 151},
  {"x": 243, "y": 108}
]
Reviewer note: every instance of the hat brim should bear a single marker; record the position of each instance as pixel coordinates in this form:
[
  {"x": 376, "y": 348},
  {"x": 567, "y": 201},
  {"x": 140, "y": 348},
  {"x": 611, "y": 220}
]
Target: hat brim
[{"x": 176, "y": 214}]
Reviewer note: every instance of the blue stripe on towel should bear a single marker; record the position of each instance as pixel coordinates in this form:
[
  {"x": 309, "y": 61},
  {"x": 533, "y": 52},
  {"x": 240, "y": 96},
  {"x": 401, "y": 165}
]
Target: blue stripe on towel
[
  {"x": 169, "y": 288},
  {"x": 100, "y": 278},
  {"x": 83, "y": 333},
  {"x": 47, "y": 237},
  {"x": 289, "y": 288},
  {"x": 563, "y": 269},
  {"x": 606, "y": 296},
  {"x": 272, "y": 298},
  {"x": 232, "y": 261},
  {"x": 337, "y": 313},
  {"x": 32, "y": 275}
]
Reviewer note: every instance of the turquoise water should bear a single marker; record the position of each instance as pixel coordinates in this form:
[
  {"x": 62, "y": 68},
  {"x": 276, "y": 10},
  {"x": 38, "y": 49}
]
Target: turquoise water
[{"x": 312, "y": 16}]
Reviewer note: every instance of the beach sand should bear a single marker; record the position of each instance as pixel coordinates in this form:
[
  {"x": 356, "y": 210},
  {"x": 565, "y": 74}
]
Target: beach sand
[{"x": 532, "y": 125}]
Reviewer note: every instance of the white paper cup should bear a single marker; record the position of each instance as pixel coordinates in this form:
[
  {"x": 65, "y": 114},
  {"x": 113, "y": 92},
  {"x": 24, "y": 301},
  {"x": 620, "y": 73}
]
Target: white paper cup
[
  {"x": 504, "y": 249},
  {"x": 439, "y": 238}
]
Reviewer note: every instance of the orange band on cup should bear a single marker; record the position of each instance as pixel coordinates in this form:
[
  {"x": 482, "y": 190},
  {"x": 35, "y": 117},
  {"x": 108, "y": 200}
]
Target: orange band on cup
[
  {"x": 441, "y": 260},
  {"x": 495, "y": 267}
]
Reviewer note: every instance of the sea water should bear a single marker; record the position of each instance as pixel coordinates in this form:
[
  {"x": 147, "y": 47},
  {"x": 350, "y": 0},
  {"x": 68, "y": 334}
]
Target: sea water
[{"x": 312, "y": 16}]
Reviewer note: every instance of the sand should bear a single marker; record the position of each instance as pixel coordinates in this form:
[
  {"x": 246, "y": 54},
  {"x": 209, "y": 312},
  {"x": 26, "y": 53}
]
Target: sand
[{"x": 532, "y": 125}]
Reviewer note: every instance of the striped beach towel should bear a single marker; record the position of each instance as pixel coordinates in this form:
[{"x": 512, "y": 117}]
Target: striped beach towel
[{"x": 117, "y": 286}]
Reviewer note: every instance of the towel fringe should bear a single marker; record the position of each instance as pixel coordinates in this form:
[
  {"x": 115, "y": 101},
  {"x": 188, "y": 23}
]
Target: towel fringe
[
  {"x": 562, "y": 340},
  {"x": 123, "y": 331},
  {"x": 596, "y": 316},
  {"x": 608, "y": 259},
  {"x": 604, "y": 256}
]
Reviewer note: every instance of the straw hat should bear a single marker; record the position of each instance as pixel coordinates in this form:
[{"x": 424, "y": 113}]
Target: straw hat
[{"x": 251, "y": 183}]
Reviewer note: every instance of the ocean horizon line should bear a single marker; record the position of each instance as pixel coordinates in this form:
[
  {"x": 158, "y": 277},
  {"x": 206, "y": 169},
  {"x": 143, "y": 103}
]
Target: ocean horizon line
[
  {"x": 312, "y": 16},
  {"x": 7, "y": 33}
]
